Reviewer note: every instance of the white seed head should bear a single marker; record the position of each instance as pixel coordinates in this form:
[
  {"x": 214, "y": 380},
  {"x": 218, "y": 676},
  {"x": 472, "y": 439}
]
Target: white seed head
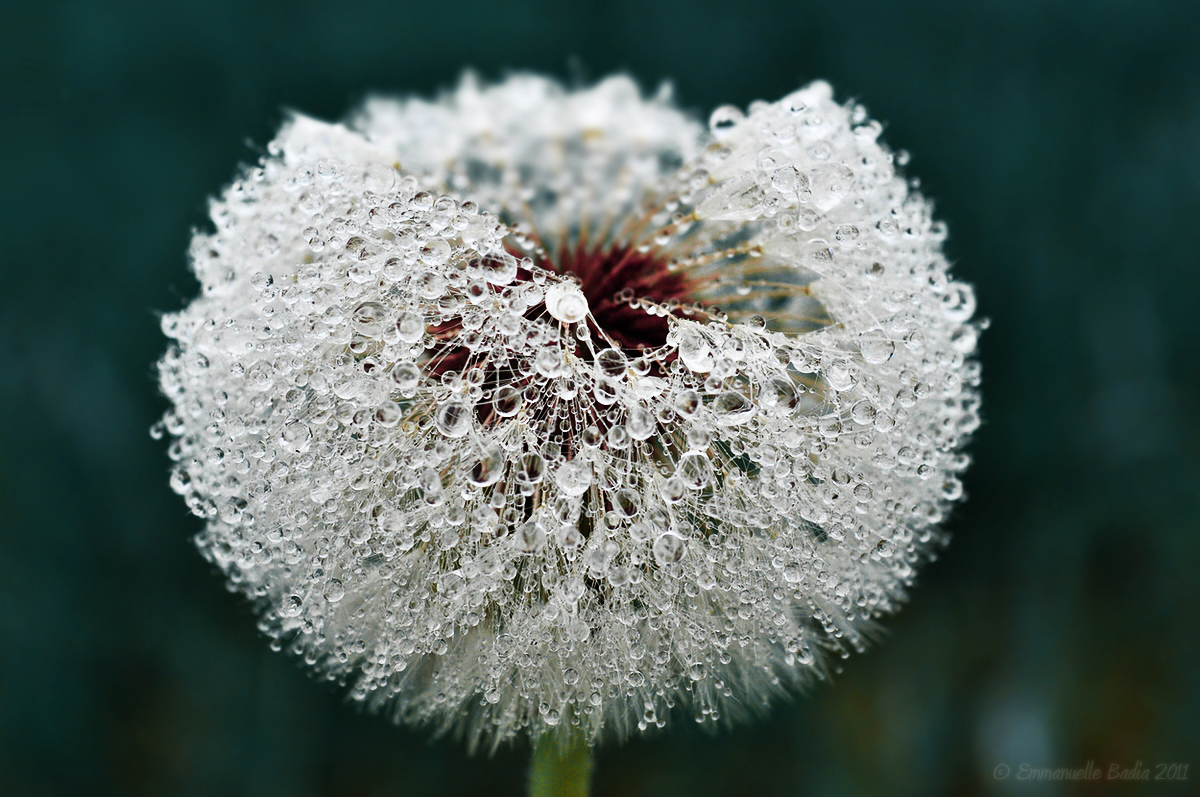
[{"x": 526, "y": 407}]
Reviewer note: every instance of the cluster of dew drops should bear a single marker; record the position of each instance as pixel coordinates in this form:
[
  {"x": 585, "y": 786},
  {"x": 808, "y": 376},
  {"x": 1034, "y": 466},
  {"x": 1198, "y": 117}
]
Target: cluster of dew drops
[{"x": 451, "y": 492}]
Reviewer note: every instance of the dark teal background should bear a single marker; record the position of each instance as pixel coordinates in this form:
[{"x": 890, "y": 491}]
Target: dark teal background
[{"x": 1061, "y": 142}]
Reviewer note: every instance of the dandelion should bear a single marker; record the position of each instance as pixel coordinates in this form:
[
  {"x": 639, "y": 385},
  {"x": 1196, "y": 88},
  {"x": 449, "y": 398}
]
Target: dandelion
[{"x": 529, "y": 410}]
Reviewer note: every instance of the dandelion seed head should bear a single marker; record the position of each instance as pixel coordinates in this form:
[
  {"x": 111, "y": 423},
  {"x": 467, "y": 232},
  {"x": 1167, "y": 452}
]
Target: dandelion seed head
[{"x": 527, "y": 408}]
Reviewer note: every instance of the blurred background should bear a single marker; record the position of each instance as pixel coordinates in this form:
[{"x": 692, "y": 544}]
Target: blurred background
[{"x": 1061, "y": 142}]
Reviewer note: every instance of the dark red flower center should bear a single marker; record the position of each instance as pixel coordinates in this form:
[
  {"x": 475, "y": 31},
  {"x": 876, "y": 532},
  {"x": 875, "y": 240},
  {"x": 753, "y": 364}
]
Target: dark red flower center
[{"x": 620, "y": 283}]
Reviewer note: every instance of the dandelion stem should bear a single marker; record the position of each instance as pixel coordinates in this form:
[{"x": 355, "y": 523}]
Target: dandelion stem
[{"x": 558, "y": 769}]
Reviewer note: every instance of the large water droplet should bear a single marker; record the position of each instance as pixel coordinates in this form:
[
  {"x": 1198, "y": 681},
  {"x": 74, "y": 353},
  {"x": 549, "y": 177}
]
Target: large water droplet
[
  {"x": 612, "y": 362},
  {"x": 406, "y": 376},
  {"x": 454, "y": 419},
  {"x": 694, "y": 470},
  {"x": 296, "y": 436},
  {"x": 530, "y": 537},
  {"x": 488, "y": 468},
  {"x": 334, "y": 590},
  {"x": 668, "y": 549},
  {"x": 733, "y": 409},
  {"x": 640, "y": 424},
  {"x": 507, "y": 401},
  {"x": 876, "y": 350},
  {"x": 574, "y": 477},
  {"x": 410, "y": 326},
  {"x": 725, "y": 119},
  {"x": 687, "y": 402},
  {"x": 499, "y": 268},
  {"x": 695, "y": 353},
  {"x": 368, "y": 319},
  {"x": 565, "y": 302}
]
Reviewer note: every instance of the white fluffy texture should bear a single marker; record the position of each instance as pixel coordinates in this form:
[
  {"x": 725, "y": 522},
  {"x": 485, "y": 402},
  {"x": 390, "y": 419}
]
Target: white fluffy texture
[{"x": 477, "y": 512}]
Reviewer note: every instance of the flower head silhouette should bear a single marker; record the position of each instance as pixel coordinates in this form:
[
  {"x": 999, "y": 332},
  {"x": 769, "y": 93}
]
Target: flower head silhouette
[{"x": 528, "y": 408}]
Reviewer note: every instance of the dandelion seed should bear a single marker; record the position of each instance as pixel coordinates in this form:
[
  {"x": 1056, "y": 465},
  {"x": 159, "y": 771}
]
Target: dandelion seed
[{"x": 527, "y": 408}]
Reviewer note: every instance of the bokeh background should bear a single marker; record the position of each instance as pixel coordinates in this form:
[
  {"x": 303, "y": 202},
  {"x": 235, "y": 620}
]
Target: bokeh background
[{"x": 1061, "y": 142}]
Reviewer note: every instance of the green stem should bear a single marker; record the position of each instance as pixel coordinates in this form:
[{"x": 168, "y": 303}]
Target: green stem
[{"x": 558, "y": 769}]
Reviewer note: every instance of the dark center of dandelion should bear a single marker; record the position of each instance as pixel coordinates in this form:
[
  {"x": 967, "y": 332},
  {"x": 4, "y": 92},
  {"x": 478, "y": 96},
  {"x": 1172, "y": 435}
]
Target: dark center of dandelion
[
  {"x": 629, "y": 293},
  {"x": 621, "y": 285}
]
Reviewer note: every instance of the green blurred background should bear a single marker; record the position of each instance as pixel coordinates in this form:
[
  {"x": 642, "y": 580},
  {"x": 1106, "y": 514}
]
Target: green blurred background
[{"x": 1061, "y": 142}]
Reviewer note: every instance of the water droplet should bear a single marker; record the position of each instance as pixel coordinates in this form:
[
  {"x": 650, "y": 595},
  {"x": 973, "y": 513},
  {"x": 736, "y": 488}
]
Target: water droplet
[
  {"x": 687, "y": 402},
  {"x": 840, "y": 377},
  {"x": 725, "y": 119},
  {"x": 530, "y": 537},
  {"x": 379, "y": 178},
  {"x": 668, "y": 549},
  {"x": 334, "y": 590},
  {"x": 499, "y": 268},
  {"x": 430, "y": 285},
  {"x": 565, "y": 302},
  {"x": 785, "y": 180},
  {"x": 574, "y": 477},
  {"x": 640, "y": 424},
  {"x": 531, "y": 468},
  {"x": 876, "y": 350},
  {"x": 488, "y": 468},
  {"x": 733, "y": 409},
  {"x": 694, "y": 470},
  {"x": 507, "y": 401},
  {"x": 292, "y": 605},
  {"x": 406, "y": 376},
  {"x": 964, "y": 339},
  {"x": 862, "y": 412},
  {"x": 779, "y": 394},
  {"x": 435, "y": 253},
  {"x": 627, "y": 502},
  {"x": 410, "y": 326},
  {"x": 296, "y": 436},
  {"x": 695, "y": 353},
  {"x": 453, "y": 419},
  {"x": 958, "y": 302},
  {"x": 612, "y": 363}
]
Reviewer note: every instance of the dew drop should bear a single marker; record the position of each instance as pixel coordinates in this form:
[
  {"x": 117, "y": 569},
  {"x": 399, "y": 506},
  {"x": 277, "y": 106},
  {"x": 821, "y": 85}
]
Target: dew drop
[
  {"x": 640, "y": 424},
  {"x": 694, "y": 470},
  {"x": 695, "y": 354},
  {"x": 507, "y": 401},
  {"x": 574, "y": 477},
  {"x": 453, "y": 419},
  {"x": 499, "y": 268},
  {"x": 296, "y": 436},
  {"x": 292, "y": 605},
  {"x": 530, "y": 537},
  {"x": 406, "y": 376},
  {"x": 435, "y": 253},
  {"x": 334, "y": 590},
  {"x": 668, "y": 549},
  {"x": 687, "y": 402},
  {"x": 566, "y": 303},
  {"x": 410, "y": 326},
  {"x": 488, "y": 469},
  {"x": 612, "y": 362},
  {"x": 876, "y": 350},
  {"x": 733, "y": 409},
  {"x": 724, "y": 119}
]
